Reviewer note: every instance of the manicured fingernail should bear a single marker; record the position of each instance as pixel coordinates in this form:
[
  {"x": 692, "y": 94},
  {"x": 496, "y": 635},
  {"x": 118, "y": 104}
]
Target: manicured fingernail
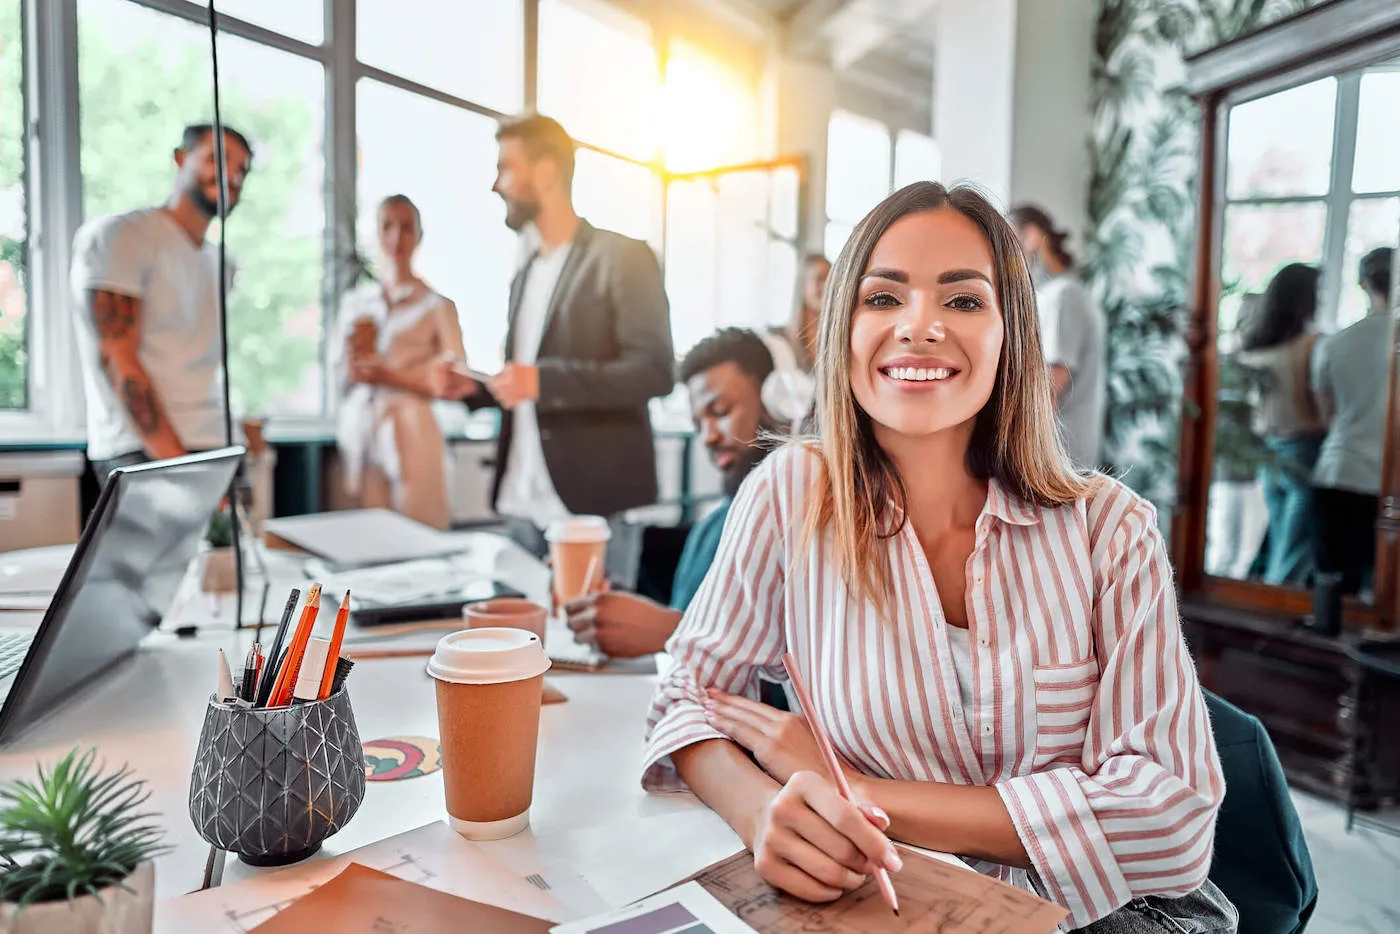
[
  {"x": 880, "y": 814},
  {"x": 892, "y": 861}
]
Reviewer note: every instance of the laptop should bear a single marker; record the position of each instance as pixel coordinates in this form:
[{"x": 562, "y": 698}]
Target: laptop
[{"x": 134, "y": 551}]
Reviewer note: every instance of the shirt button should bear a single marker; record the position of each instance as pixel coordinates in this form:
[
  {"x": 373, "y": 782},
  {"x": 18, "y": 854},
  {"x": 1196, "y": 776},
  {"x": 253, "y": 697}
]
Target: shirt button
[
  {"x": 987, "y": 730},
  {"x": 984, "y": 641}
]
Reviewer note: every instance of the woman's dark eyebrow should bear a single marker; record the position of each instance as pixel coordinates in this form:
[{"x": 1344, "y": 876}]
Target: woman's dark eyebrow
[
  {"x": 894, "y": 275},
  {"x": 962, "y": 275}
]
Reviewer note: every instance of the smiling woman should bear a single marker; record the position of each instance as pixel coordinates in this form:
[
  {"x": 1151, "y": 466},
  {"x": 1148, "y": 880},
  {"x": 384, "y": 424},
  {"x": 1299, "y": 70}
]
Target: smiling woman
[{"x": 973, "y": 616}]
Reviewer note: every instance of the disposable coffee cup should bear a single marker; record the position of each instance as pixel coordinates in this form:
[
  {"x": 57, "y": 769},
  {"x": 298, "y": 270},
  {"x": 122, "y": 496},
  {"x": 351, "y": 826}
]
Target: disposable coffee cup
[
  {"x": 489, "y": 684},
  {"x": 507, "y": 612},
  {"x": 577, "y": 548}
]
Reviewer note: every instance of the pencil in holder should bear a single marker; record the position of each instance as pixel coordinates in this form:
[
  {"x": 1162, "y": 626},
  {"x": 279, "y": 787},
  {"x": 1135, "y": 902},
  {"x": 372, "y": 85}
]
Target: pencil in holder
[{"x": 271, "y": 784}]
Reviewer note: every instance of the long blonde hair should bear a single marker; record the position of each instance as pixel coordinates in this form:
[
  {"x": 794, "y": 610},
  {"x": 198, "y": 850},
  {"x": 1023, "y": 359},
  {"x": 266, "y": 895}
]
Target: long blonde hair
[{"x": 858, "y": 494}]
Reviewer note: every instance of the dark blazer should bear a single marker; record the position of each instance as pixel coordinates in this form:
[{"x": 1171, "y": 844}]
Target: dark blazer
[{"x": 605, "y": 351}]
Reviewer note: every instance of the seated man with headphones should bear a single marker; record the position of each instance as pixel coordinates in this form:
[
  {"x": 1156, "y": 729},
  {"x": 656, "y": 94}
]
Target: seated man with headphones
[{"x": 724, "y": 374}]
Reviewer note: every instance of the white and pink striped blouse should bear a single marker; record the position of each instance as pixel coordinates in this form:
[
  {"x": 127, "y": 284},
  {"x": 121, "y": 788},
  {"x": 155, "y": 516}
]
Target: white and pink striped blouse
[{"x": 1089, "y": 720}]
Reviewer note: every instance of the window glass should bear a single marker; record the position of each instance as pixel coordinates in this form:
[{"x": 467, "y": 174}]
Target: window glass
[
  {"x": 691, "y": 261},
  {"x": 857, "y": 166},
  {"x": 1377, "y": 166},
  {"x": 472, "y": 50},
  {"x": 598, "y": 75},
  {"x": 142, "y": 76},
  {"x": 710, "y": 114},
  {"x": 14, "y": 303},
  {"x": 446, "y": 167},
  {"x": 299, "y": 19},
  {"x": 615, "y": 194},
  {"x": 1261, "y": 239},
  {"x": 1281, "y": 145}
]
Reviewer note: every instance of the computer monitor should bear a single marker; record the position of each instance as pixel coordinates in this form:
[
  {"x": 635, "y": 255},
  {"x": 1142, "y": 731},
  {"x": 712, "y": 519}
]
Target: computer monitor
[{"x": 134, "y": 551}]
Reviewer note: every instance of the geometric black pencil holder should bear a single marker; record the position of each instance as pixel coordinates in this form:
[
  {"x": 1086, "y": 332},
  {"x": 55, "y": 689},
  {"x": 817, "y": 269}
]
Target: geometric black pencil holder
[{"x": 271, "y": 783}]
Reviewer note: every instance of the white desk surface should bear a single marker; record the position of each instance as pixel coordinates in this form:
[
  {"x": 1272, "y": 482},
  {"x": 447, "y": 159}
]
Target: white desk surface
[{"x": 147, "y": 711}]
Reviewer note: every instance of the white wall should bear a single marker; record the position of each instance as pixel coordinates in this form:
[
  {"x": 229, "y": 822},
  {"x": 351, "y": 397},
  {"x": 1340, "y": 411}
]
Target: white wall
[
  {"x": 1050, "y": 116},
  {"x": 1011, "y": 100},
  {"x": 806, "y": 94}
]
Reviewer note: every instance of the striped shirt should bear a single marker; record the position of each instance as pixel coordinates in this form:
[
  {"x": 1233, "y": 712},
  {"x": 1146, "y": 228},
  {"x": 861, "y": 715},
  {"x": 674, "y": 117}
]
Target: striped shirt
[{"x": 1087, "y": 719}]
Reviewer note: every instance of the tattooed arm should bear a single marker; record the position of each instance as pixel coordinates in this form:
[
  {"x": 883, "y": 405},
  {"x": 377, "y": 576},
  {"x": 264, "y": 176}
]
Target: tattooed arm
[{"x": 117, "y": 319}]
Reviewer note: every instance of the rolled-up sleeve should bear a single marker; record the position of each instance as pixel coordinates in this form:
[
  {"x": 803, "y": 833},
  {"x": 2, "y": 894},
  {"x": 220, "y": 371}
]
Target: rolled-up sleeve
[
  {"x": 732, "y": 629},
  {"x": 1136, "y": 816}
]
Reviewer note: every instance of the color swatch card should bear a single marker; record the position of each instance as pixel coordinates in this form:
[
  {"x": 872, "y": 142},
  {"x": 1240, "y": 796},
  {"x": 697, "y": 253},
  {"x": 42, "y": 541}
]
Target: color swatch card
[{"x": 686, "y": 909}]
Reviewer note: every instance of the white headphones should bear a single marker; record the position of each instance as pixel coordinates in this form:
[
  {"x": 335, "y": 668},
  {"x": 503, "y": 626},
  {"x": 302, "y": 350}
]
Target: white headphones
[{"x": 788, "y": 393}]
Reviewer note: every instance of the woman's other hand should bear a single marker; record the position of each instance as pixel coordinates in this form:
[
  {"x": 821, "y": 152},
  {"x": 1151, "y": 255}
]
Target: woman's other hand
[
  {"x": 810, "y": 842},
  {"x": 369, "y": 369},
  {"x": 782, "y": 743}
]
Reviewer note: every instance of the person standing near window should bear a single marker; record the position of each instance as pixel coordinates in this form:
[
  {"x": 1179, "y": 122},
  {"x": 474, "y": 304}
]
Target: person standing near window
[
  {"x": 1350, "y": 372},
  {"x": 588, "y": 345},
  {"x": 389, "y": 334},
  {"x": 146, "y": 292},
  {"x": 1072, "y": 332},
  {"x": 1277, "y": 343},
  {"x": 789, "y": 391}
]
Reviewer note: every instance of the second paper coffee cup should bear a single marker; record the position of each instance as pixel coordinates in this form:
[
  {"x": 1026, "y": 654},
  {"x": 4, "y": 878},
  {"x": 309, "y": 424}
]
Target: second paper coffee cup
[
  {"x": 488, "y": 683},
  {"x": 577, "y": 548}
]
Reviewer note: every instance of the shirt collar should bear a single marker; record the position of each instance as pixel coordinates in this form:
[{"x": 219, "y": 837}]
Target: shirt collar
[{"x": 1008, "y": 507}]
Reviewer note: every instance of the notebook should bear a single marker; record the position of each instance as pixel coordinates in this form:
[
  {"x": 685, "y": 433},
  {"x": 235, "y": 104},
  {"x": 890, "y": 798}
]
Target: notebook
[{"x": 361, "y": 537}]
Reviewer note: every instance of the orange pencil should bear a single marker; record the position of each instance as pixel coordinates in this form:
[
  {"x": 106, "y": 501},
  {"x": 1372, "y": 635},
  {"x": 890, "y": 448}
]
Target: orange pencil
[
  {"x": 833, "y": 765},
  {"x": 291, "y": 667},
  {"x": 341, "y": 618}
]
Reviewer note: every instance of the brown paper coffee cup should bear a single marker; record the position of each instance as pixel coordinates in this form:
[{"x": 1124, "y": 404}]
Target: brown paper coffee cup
[
  {"x": 577, "y": 549},
  {"x": 507, "y": 612},
  {"x": 488, "y": 695}
]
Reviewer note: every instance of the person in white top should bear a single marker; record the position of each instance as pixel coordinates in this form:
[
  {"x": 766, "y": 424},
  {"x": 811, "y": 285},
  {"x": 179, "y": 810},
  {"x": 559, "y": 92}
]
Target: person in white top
[
  {"x": 388, "y": 335},
  {"x": 1072, "y": 333},
  {"x": 789, "y": 392},
  {"x": 589, "y": 344},
  {"x": 145, "y": 292},
  {"x": 1350, "y": 373}
]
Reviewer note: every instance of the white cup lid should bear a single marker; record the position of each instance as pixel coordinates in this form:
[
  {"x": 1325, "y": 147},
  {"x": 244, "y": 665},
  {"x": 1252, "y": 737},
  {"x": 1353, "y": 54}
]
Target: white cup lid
[
  {"x": 488, "y": 656},
  {"x": 579, "y": 529}
]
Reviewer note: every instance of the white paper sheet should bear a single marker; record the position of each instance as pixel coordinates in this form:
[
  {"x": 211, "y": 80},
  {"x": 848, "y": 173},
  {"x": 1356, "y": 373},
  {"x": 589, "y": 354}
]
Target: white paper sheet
[
  {"x": 432, "y": 855},
  {"x": 680, "y": 909}
]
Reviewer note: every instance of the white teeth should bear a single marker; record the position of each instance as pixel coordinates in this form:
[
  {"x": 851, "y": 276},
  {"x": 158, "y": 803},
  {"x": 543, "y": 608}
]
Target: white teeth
[{"x": 920, "y": 374}]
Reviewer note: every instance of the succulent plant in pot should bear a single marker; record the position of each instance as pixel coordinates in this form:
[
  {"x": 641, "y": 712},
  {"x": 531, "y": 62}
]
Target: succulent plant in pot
[
  {"x": 219, "y": 573},
  {"x": 76, "y": 851}
]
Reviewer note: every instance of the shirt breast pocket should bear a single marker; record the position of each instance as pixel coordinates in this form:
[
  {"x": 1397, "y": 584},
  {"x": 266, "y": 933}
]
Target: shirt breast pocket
[{"x": 1064, "y": 696}]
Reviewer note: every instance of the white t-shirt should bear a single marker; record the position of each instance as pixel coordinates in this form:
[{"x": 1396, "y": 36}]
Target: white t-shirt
[
  {"x": 1072, "y": 331},
  {"x": 147, "y": 255},
  {"x": 527, "y": 491}
]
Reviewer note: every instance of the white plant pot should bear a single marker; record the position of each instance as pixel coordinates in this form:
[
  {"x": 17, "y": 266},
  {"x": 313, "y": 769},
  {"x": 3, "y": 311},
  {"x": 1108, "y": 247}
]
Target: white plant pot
[{"x": 118, "y": 912}]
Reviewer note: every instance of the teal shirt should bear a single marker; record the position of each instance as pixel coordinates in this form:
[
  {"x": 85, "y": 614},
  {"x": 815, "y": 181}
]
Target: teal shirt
[{"x": 697, "y": 556}]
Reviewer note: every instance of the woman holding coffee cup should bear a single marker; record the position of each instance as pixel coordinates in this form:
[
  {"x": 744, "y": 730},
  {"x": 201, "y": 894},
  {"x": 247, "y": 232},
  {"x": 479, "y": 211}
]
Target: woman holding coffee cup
[
  {"x": 390, "y": 332},
  {"x": 990, "y": 637}
]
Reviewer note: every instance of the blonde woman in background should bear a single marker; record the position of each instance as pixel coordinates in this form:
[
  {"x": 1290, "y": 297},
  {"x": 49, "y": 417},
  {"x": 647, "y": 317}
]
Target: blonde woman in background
[
  {"x": 389, "y": 333},
  {"x": 789, "y": 391}
]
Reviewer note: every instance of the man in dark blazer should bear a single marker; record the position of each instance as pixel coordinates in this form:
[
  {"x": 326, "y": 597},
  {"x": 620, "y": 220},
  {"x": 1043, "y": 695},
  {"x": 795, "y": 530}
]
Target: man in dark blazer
[{"x": 588, "y": 344}]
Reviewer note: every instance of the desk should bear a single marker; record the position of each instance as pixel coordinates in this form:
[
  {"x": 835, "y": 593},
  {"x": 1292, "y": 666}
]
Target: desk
[{"x": 148, "y": 711}]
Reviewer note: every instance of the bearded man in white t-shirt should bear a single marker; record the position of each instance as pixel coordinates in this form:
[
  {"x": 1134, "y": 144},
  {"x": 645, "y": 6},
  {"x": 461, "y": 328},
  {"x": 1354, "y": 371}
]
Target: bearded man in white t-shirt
[{"x": 145, "y": 287}]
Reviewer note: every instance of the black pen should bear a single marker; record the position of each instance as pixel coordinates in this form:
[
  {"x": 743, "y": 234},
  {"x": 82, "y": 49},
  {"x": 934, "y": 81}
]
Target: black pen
[
  {"x": 248, "y": 688},
  {"x": 269, "y": 674}
]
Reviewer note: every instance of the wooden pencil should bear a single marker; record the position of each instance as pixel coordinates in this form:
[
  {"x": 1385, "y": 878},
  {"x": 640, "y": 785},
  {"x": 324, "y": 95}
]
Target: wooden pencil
[
  {"x": 291, "y": 665},
  {"x": 337, "y": 636}
]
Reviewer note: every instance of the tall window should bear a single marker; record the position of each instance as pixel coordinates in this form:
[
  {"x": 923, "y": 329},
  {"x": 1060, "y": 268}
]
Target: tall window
[
  {"x": 863, "y": 166},
  {"x": 14, "y": 222},
  {"x": 1312, "y": 178},
  {"x": 446, "y": 165},
  {"x": 142, "y": 75}
]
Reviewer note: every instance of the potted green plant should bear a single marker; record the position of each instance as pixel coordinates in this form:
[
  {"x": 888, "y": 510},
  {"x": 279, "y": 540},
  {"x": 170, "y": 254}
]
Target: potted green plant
[
  {"x": 76, "y": 851},
  {"x": 219, "y": 573}
]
